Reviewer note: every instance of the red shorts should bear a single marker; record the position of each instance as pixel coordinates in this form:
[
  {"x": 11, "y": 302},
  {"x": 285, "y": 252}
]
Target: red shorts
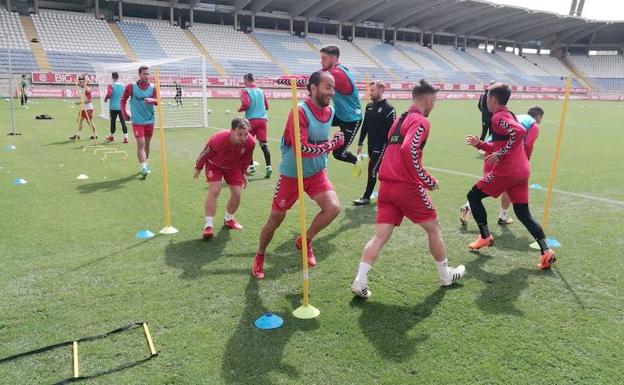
[
  {"x": 494, "y": 185},
  {"x": 258, "y": 129},
  {"x": 232, "y": 176},
  {"x": 143, "y": 130},
  {"x": 286, "y": 191},
  {"x": 398, "y": 200},
  {"x": 88, "y": 114}
]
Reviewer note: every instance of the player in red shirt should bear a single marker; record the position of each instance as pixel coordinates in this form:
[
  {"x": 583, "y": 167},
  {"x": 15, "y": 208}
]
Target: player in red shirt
[
  {"x": 86, "y": 109},
  {"x": 530, "y": 122},
  {"x": 510, "y": 173},
  {"x": 255, "y": 105},
  {"x": 225, "y": 156},
  {"x": 403, "y": 190},
  {"x": 315, "y": 118}
]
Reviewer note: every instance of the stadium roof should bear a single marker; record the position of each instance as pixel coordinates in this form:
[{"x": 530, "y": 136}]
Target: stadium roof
[{"x": 472, "y": 18}]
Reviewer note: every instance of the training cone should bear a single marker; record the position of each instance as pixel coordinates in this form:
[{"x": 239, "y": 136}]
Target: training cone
[
  {"x": 550, "y": 242},
  {"x": 11, "y": 147},
  {"x": 19, "y": 181},
  {"x": 536, "y": 186},
  {"x": 144, "y": 234},
  {"x": 82, "y": 177},
  {"x": 269, "y": 321},
  {"x": 306, "y": 312},
  {"x": 168, "y": 230}
]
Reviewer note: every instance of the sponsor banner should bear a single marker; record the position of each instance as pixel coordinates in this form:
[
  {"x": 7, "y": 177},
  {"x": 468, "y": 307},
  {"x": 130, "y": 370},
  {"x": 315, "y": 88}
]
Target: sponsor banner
[
  {"x": 69, "y": 92},
  {"x": 70, "y": 78}
]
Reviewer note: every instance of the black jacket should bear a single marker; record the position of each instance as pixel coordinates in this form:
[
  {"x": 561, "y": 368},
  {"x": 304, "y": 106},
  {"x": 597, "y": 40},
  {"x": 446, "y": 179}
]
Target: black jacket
[{"x": 378, "y": 119}]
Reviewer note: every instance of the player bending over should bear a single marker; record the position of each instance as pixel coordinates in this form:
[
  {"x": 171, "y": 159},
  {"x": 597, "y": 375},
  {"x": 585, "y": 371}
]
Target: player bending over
[
  {"x": 510, "y": 173},
  {"x": 226, "y": 156},
  {"x": 86, "y": 109},
  {"x": 403, "y": 190},
  {"x": 315, "y": 119},
  {"x": 143, "y": 96}
]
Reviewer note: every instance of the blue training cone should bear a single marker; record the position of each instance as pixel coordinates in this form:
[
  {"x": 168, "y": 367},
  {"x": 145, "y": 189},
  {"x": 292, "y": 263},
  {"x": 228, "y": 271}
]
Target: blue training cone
[
  {"x": 536, "y": 186},
  {"x": 144, "y": 234},
  {"x": 19, "y": 181},
  {"x": 269, "y": 321},
  {"x": 550, "y": 242}
]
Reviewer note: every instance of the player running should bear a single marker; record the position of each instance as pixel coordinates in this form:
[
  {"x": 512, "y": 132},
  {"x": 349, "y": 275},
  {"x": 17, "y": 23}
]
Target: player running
[
  {"x": 346, "y": 102},
  {"x": 143, "y": 97},
  {"x": 225, "y": 156},
  {"x": 530, "y": 122},
  {"x": 86, "y": 111},
  {"x": 403, "y": 190},
  {"x": 255, "y": 105},
  {"x": 378, "y": 119},
  {"x": 315, "y": 118},
  {"x": 114, "y": 91},
  {"x": 510, "y": 173}
]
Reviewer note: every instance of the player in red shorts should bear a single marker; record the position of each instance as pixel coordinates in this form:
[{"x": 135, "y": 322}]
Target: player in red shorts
[
  {"x": 403, "y": 190},
  {"x": 225, "y": 156},
  {"x": 143, "y": 96},
  {"x": 510, "y": 173},
  {"x": 86, "y": 112},
  {"x": 255, "y": 105},
  {"x": 315, "y": 119}
]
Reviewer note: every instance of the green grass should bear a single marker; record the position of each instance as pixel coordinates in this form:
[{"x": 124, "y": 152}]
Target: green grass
[{"x": 71, "y": 267}]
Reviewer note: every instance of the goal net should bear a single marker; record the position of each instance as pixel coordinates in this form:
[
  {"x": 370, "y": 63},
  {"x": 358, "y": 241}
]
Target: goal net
[{"x": 182, "y": 88}]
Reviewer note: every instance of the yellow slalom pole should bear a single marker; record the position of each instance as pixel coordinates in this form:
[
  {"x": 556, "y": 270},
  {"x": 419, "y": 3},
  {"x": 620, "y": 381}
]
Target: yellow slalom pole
[
  {"x": 148, "y": 338},
  {"x": 555, "y": 161},
  {"x": 306, "y": 311},
  {"x": 168, "y": 229},
  {"x": 75, "y": 368}
]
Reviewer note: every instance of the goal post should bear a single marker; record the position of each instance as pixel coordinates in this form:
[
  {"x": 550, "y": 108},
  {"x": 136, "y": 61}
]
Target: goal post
[{"x": 183, "y": 88}]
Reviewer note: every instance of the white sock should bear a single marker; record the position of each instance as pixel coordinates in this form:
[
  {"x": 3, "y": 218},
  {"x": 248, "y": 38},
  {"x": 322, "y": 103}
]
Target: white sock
[
  {"x": 228, "y": 216},
  {"x": 502, "y": 214},
  {"x": 126, "y": 136},
  {"x": 362, "y": 274},
  {"x": 467, "y": 205},
  {"x": 443, "y": 268},
  {"x": 208, "y": 222},
  {"x": 143, "y": 165}
]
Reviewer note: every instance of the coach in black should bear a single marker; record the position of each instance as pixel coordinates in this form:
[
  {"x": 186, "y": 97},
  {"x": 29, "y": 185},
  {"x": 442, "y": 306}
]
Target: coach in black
[{"x": 378, "y": 119}]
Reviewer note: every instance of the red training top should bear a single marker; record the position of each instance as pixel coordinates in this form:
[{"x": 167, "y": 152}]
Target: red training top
[
  {"x": 507, "y": 143},
  {"x": 403, "y": 163},
  {"x": 224, "y": 154},
  {"x": 128, "y": 93},
  {"x": 343, "y": 84}
]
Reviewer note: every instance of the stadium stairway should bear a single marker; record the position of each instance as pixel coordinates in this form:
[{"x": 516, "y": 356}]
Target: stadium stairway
[
  {"x": 282, "y": 67},
  {"x": 121, "y": 39},
  {"x": 455, "y": 66},
  {"x": 577, "y": 74},
  {"x": 374, "y": 61},
  {"x": 204, "y": 52},
  {"x": 40, "y": 56}
]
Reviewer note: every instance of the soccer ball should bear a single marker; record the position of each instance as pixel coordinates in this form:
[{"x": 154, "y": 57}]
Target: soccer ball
[
  {"x": 227, "y": 112},
  {"x": 195, "y": 104},
  {"x": 209, "y": 111}
]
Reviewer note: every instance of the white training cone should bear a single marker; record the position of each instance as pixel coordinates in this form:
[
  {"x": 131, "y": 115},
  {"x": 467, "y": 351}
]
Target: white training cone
[{"x": 82, "y": 177}]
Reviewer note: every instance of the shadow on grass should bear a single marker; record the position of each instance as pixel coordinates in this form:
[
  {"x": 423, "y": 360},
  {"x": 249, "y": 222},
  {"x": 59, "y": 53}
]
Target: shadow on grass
[
  {"x": 387, "y": 326},
  {"x": 254, "y": 356},
  {"x": 506, "y": 240},
  {"x": 192, "y": 255},
  {"x": 501, "y": 290},
  {"x": 109, "y": 255},
  {"x": 119, "y": 368},
  {"x": 107, "y": 186}
]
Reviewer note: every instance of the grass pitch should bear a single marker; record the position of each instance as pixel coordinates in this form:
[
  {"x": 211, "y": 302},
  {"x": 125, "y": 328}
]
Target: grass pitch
[{"x": 71, "y": 267}]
